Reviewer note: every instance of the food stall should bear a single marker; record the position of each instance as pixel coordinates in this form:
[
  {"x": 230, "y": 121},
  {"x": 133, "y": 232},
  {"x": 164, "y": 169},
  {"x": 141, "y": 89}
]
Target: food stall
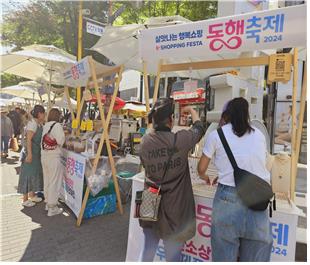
[
  {"x": 77, "y": 161},
  {"x": 283, "y": 29}
]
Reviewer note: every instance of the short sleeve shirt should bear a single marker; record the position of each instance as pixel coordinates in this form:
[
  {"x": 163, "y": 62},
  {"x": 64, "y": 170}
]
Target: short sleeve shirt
[
  {"x": 32, "y": 126},
  {"x": 249, "y": 151}
]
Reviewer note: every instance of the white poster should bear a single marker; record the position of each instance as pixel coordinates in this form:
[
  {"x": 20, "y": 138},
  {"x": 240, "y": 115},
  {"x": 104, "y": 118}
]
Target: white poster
[
  {"x": 272, "y": 29},
  {"x": 94, "y": 29},
  {"x": 73, "y": 180},
  {"x": 283, "y": 226},
  {"x": 78, "y": 74}
]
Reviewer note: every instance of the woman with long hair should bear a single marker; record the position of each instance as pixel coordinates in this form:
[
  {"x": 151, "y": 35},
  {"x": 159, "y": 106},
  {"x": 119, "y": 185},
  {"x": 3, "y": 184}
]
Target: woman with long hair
[
  {"x": 53, "y": 137},
  {"x": 237, "y": 231},
  {"x": 31, "y": 175}
]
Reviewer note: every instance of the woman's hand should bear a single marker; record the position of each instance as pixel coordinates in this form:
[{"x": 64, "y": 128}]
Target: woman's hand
[
  {"x": 187, "y": 109},
  {"x": 28, "y": 158},
  {"x": 206, "y": 179},
  {"x": 214, "y": 181}
]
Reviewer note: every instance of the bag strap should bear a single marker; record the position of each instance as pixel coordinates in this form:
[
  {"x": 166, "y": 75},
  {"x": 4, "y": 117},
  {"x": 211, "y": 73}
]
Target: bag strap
[
  {"x": 169, "y": 159},
  {"x": 51, "y": 127},
  {"x": 170, "y": 156},
  {"x": 227, "y": 148}
]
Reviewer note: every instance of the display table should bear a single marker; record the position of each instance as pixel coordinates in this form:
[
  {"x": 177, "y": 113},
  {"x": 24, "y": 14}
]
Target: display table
[{"x": 283, "y": 226}]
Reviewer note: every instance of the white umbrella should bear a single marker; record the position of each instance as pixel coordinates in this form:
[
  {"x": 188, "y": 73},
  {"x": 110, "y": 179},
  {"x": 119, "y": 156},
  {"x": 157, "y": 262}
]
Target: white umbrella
[
  {"x": 42, "y": 63},
  {"x": 24, "y": 90},
  {"x": 63, "y": 103},
  {"x": 121, "y": 45},
  {"x": 135, "y": 107},
  {"x": 17, "y": 100}
]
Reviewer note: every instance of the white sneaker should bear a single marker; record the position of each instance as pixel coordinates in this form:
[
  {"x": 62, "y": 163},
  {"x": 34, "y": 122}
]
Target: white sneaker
[
  {"x": 36, "y": 199},
  {"x": 28, "y": 203},
  {"x": 54, "y": 211}
]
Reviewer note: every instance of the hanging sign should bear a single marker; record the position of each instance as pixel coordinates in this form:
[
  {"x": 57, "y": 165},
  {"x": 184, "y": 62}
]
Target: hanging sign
[
  {"x": 78, "y": 74},
  {"x": 279, "y": 67},
  {"x": 271, "y": 29},
  {"x": 94, "y": 29}
]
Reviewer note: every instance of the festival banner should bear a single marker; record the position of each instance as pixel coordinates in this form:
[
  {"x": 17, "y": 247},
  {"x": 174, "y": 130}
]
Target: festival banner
[
  {"x": 72, "y": 186},
  {"x": 198, "y": 249},
  {"x": 78, "y": 74},
  {"x": 271, "y": 29}
]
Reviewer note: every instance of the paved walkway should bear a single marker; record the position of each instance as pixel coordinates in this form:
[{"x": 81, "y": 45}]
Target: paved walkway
[{"x": 27, "y": 234}]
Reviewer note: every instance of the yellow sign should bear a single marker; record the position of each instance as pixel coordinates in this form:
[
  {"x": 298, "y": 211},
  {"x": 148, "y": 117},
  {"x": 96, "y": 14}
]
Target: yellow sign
[
  {"x": 83, "y": 125},
  {"x": 279, "y": 67},
  {"x": 89, "y": 125},
  {"x": 75, "y": 124}
]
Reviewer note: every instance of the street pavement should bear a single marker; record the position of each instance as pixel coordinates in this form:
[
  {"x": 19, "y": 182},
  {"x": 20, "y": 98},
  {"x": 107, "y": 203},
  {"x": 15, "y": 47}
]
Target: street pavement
[{"x": 27, "y": 234}]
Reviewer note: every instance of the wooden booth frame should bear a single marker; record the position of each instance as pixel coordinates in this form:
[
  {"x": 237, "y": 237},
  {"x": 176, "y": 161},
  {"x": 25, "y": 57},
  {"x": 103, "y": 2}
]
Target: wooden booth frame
[
  {"x": 246, "y": 62},
  {"x": 93, "y": 82}
]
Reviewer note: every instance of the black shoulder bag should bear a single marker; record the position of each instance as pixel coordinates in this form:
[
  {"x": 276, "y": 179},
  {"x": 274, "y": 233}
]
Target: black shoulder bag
[
  {"x": 148, "y": 200},
  {"x": 254, "y": 192}
]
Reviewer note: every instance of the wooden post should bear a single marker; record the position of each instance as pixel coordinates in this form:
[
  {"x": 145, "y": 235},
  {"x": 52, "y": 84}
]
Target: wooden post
[
  {"x": 104, "y": 137},
  {"x": 294, "y": 125},
  {"x": 303, "y": 98},
  {"x": 69, "y": 102},
  {"x": 156, "y": 88},
  {"x": 146, "y": 92},
  {"x": 114, "y": 95}
]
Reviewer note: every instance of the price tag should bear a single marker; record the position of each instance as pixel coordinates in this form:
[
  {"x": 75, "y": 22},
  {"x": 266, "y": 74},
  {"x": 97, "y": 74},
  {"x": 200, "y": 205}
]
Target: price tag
[
  {"x": 83, "y": 125},
  {"x": 75, "y": 124},
  {"x": 89, "y": 125}
]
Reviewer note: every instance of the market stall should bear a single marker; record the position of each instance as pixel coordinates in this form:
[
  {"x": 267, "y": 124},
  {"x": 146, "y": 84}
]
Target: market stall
[
  {"x": 93, "y": 165},
  {"x": 209, "y": 36}
]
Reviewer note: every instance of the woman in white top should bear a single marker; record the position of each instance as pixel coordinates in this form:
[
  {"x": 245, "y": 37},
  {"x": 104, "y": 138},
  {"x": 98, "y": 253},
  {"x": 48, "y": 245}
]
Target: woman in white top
[
  {"x": 53, "y": 138},
  {"x": 237, "y": 231}
]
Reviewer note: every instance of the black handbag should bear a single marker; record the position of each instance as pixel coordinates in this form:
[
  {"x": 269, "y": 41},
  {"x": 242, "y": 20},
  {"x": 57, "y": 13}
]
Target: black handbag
[{"x": 253, "y": 191}]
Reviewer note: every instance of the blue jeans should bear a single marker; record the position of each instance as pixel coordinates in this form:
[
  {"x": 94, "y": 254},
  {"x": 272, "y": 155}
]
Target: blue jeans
[
  {"x": 5, "y": 143},
  {"x": 151, "y": 239},
  {"x": 238, "y": 231}
]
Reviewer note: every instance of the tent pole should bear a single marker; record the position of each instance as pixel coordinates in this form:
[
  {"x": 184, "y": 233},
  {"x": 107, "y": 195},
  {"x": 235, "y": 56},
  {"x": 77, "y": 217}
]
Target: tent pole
[
  {"x": 294, "y": 125},
  {"x": 156, "y": 88},
  {"x": 303, "y": 98},
  {"x": 146, "y": 91}
]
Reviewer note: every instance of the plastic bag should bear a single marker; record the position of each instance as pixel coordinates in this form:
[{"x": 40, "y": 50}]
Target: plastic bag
[
  {"x": 100, "y": 179},
  {"x": 129, "y": 163}
]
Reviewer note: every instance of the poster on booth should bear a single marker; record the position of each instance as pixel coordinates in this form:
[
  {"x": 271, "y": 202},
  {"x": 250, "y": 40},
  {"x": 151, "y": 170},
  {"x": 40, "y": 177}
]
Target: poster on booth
[
  {"x": 198, "y": 249},
  {"x": 78, "y": 74},
  {"x": 272, "y": 29},
  {"x": 73, "y": 180}
]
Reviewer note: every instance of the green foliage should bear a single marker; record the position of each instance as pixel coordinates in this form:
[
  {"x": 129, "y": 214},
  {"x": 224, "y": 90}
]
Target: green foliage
[
  {"x": 10, "y": 80},
  {"x": 192, "y": 10}
]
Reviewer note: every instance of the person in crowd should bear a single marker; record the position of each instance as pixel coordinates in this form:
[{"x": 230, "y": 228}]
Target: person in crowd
[
  {"x": 15, "y": 117},
  {"x": 176, "y": 218},
  {"x": 7, "y": 132},
  {"x": 236, "y": 230},
  {"x": 31, "y": 175},
  {"x": 53, "y": 137}
]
